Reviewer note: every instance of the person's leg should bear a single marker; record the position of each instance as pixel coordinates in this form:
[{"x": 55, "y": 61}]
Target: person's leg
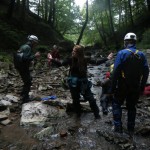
[
  {"x": 117, "y": 115},
  {"x": 104, "y": 103},
  {"x": 25, "y": 75},
  {"x": 131, "y": 102},
  {"x": 75, "y": 94},
  {"x": 92, "y": 101}
]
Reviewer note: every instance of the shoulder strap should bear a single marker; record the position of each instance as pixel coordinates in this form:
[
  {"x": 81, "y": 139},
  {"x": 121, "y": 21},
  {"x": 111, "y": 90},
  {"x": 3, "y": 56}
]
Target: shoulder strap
[
  {"x": 135, "y": 53},
  {"x": 132, "y": 51}
]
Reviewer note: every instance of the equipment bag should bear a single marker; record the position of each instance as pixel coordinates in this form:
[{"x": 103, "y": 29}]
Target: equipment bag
[{"x": 132, "y": 69}]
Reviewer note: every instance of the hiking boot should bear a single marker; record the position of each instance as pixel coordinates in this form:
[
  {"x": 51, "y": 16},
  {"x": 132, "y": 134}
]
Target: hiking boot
[
  {"x": 118, "y": 129},
  {"x": 131, "y": 132},
  {"x": 25, "y": 100}
]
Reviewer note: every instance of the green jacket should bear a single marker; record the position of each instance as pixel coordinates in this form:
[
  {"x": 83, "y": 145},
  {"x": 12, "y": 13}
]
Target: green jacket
[{"x": 26, "y": 52}]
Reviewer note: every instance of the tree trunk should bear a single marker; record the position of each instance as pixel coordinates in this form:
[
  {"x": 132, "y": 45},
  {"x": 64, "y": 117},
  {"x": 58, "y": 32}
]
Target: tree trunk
[
  {"x": 84, "y": 26},
  {"x": 27, "y": 5},
  {"x": 46, "y": 9},
  {"x": 38, "y": 12},
  {"x": 130, "y": 14},
  {"x": 112, "y": 26},
  {"x": 51, "y": 18},
  {"x": 23, "y": 11},
  {"x": 10, "y": 9},
  {"x": 101, "y": 30},
  {"x": 18, "y": 5},
  {"x": 148, "y": 5}
]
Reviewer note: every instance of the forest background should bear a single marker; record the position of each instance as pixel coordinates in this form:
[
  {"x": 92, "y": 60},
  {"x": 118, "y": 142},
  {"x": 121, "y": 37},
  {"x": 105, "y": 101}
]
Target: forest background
[{"x": 100, "y": 23}]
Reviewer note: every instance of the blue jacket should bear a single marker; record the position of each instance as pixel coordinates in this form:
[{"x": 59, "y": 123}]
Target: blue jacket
[{"x": 122, "y": 55}]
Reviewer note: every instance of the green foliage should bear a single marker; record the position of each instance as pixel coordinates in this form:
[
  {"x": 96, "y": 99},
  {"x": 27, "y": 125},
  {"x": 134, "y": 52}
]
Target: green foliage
[
  {"x": 10, "y": 36},
  {"x": 42, "y": 48},
  {"x": 67, "y": 14},
  {"x": 145, "y": 44},
  {"x": 5, "y": 57}
]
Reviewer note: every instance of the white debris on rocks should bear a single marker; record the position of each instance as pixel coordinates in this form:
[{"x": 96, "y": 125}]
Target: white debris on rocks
[{"x": 38, "y": 113}]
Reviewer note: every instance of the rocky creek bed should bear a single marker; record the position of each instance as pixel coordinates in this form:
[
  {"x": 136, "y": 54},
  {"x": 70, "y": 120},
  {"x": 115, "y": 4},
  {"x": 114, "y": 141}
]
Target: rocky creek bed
[{"x": 45, "y": 125}]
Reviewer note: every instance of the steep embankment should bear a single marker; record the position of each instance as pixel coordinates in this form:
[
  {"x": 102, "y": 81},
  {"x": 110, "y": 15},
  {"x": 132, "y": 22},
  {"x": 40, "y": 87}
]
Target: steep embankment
[{"x": 14, "y": 31}]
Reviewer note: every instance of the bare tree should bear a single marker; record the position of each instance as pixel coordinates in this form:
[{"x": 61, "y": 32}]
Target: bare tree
[
  {"x": 10, "y": 9},
  {"x": 18, "y": 5},
  {"x": 23, "y": 11},
  {"x": 84, "y": 26},
  {"x": 148, "y": 5},
  {"x": 130, "y": 14},
  {"x": 52, "y": 9}
]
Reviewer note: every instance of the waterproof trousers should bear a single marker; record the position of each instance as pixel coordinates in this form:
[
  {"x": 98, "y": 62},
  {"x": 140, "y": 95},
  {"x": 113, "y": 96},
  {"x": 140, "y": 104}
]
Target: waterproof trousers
[
  {"x": 130, "y": 97},
  {"x": 88, "y": 95},
  {"x": 27, "y": 80}
]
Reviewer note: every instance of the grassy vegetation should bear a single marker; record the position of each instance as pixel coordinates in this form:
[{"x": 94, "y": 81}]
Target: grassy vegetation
[{"x": 145, "y": 43}]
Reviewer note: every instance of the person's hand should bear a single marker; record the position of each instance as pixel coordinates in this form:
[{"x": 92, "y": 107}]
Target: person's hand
[
  {"x": 37, "y": 54},
  {"x": 110, "y": 56},
  {"x": 49, "y": 56}
]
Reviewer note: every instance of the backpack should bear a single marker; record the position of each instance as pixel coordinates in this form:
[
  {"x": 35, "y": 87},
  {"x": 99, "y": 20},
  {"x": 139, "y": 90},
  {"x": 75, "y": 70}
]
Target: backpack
[{"x": 133, "y": 69}]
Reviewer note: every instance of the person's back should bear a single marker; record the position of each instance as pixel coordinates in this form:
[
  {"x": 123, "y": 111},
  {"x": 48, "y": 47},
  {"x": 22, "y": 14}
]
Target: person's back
[
  {"x": 128, "y": 81},
  {"x": 23, "y": 56},
  {"x": 132, "y": 67}
]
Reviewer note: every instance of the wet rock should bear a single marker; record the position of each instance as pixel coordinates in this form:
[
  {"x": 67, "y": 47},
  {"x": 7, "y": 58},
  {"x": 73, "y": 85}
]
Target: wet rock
[
  {"x": 122, "y": 140},
  {"x": 38, "y": 113},
  {"x": 58, "y": 145},
  {"x": 14, "y": 107},
  {"x": 4, "y": 110},
  {"x": 144, "y": 131},
  {"x": 5, "y": 103},
  {"x": 55, "y": 103},
  {"x": 5, "y": 122},
  {"x": 3, "y": 117},
  {"x": 44, "y": 133},
  {"x": 12, "y": 98},
  {"x": 42, "y": 88},
  {"x": 73, "y": 129}
]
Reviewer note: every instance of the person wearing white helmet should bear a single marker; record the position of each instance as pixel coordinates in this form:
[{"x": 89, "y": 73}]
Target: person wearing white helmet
[
  {"x": 128, "y": 81},
  {"x": 22, "y": 61},
  {"x": 33, "y": 38}
]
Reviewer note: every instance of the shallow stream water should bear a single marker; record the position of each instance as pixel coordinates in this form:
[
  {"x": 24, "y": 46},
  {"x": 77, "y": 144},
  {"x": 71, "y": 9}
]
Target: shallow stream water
[{"x": 80, "y": 133}]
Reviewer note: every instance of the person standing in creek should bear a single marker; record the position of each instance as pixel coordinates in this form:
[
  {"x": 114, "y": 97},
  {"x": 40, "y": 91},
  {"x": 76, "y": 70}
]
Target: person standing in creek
[
  {"x": 78, "y": 80},
  {"x": 22, "y": 61},
  {"x": 128, "y": 81}
]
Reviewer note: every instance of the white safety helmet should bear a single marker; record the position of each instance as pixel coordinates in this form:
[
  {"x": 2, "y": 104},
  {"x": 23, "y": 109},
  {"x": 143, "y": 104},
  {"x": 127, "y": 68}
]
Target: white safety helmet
[
  {"x": 33, "y": 38},
  {"x": 130, "y": 36},
  {"x": 54, "y": 46}
]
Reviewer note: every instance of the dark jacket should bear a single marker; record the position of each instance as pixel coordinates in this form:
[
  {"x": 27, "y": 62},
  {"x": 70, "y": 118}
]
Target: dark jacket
[
  {"x": 118, "y": 68},
  {"x": 74, "y": 69},
  {"x": 24, "y": 55}
]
